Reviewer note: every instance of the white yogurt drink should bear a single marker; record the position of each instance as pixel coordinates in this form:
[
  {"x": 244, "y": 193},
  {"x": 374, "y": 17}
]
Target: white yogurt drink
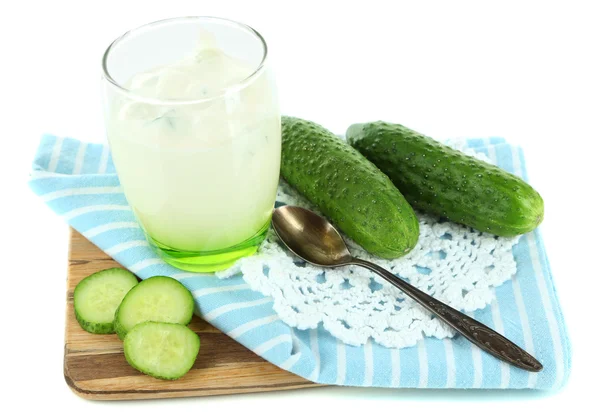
[{"x": 197, "y": 146}]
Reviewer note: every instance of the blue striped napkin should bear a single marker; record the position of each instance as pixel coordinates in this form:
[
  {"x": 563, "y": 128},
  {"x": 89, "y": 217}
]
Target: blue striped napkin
[{"x": 78, "y": 181}]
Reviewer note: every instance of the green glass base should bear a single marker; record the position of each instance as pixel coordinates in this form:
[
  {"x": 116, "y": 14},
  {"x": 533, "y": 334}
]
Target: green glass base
[{"x": 209, "y": 261}]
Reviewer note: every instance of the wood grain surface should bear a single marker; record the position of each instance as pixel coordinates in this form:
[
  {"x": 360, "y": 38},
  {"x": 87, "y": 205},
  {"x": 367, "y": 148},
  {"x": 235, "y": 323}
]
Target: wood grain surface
[{"x": 95, "y": 367}]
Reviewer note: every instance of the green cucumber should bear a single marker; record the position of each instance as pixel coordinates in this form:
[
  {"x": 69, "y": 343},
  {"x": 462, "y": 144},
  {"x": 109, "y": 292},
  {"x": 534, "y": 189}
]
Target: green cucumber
[
  {"x": 161, "y": 350},
  {"x": 161, "y": 299},
  {"x": 347, "y": 188},
  {"x": 442, "y": 181},
  {"x": 97, "y": 297}
]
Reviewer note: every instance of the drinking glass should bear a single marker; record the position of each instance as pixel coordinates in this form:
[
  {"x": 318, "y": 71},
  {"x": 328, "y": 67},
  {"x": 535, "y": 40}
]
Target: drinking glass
[{"x": 194, "y": 128}]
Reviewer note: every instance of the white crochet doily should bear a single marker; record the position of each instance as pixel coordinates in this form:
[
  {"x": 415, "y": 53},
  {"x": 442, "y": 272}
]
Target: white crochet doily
[{"x": 453, "y": 263}]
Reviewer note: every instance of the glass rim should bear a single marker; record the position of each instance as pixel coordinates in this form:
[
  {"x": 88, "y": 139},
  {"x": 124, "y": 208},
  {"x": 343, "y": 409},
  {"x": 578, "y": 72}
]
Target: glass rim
[{"x": 222, "y": 92}]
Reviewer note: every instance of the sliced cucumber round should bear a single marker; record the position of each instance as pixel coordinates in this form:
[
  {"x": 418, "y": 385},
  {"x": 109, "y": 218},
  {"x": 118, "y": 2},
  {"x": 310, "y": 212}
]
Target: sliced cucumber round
[
  {"x": 97, "y": 297},
  {"x": 160, "y": 299},
  {"x": 161, "y": 350}
]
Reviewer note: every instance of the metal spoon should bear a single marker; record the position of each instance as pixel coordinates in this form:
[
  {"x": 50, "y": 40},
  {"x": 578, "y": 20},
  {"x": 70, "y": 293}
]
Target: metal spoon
[{"x": 315, "y": 240}]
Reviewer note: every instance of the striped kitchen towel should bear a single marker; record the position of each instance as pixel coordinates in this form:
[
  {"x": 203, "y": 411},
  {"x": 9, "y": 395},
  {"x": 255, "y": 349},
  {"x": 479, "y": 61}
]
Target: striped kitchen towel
[{"x": 78, "y": 181}]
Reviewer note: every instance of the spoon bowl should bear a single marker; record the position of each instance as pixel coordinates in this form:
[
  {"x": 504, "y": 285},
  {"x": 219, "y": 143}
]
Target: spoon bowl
[
  {"x": 310, "y": 236},
  {"x": 314, "y": 239}
]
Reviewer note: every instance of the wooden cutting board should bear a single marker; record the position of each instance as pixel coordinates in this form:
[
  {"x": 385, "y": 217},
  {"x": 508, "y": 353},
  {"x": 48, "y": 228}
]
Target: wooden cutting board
[{"x": 95, "y": 367}]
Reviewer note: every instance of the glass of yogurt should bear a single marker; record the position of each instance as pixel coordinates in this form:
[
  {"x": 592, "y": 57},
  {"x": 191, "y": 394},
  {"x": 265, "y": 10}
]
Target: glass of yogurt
[{"x": 193, "y": 123}]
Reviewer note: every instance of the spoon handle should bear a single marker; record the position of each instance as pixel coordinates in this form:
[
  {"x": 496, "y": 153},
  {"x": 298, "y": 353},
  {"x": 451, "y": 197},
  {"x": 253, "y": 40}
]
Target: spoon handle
[{"x": 478, "y": 333}]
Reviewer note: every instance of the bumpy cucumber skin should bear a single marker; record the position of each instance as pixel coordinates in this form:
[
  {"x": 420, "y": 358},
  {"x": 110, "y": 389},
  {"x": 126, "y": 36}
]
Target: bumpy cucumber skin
[
  {"x": 348, "y": 189},
  {"x": 120, "y": 328},
  {"x": 442, "y": 181},
  {"x": 95, "y": 328},
  {"x": 131, "y": 361},
  {"x": 88, "y": 326}
]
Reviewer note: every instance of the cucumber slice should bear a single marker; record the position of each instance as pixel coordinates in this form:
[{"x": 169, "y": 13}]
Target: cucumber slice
[
  {"x": 160, "y": 299},
  {"x": 97, "y": 297},
  {"x": 161, "y": 350}
]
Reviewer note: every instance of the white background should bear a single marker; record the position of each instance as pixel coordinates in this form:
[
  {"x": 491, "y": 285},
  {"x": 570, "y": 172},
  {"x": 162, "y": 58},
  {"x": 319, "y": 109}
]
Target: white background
[{"x": 526, "y": 71}]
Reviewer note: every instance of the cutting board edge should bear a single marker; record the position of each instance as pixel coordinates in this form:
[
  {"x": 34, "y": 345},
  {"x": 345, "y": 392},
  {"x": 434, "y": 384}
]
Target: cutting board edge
[{"x": 181, "y": 393}]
